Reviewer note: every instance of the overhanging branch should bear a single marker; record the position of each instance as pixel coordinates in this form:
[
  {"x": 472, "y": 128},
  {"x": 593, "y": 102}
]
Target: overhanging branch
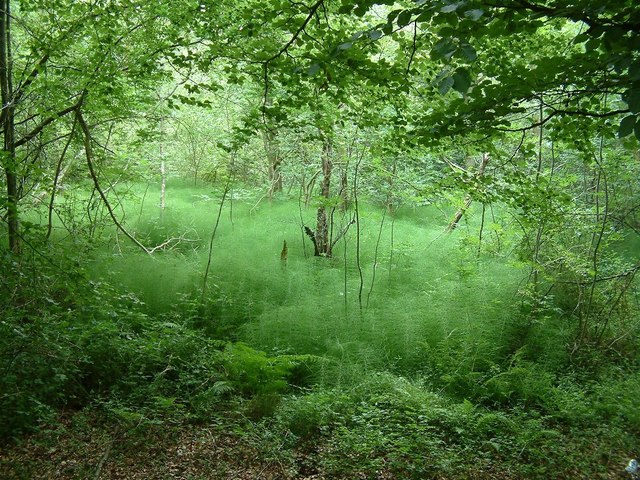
[{"x": 89, "y": 154}]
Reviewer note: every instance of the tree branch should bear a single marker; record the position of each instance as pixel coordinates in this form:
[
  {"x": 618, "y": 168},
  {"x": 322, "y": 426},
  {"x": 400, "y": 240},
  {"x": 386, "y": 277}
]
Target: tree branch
[
  {"x": 29, "y": 136},
  {"x": 92, "y": 172}
]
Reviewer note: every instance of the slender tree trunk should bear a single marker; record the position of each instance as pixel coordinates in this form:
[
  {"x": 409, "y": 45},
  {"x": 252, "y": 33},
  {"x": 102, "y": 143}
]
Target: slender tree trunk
[
  {"x": 163, "y": 186},
  {"x": 272, "y": 151},
  {"x": 8, "y": 127},
  {"x": 322, "y": 243}
]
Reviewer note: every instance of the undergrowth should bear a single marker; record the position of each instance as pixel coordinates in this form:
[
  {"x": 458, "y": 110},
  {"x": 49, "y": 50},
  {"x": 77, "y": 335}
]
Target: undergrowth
[{"x": 432, "y": 369}]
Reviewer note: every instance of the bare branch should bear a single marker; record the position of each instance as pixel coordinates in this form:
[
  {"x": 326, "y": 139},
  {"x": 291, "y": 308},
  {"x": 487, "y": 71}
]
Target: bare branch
[{"x": 89, "y": 154}]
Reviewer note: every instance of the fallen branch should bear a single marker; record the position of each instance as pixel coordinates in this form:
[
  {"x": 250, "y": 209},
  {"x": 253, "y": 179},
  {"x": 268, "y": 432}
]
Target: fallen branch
[{"x": 166, "y": 243}]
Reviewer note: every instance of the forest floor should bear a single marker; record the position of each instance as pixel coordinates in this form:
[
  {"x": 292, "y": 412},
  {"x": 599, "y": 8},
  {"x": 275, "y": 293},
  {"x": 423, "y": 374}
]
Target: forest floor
[
  {"x": 92, "y": 450},
  {"x": 170, "y": 452},
  {"x": 79, "y": 447}
]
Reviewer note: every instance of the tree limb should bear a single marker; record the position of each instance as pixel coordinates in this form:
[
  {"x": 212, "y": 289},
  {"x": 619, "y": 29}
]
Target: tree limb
[
  {"x": 29, "y": 136},
  {"x": 89, "y": 154}
]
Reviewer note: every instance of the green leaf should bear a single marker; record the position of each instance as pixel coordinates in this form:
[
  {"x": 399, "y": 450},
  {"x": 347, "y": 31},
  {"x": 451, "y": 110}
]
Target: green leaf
[
  {"x": 637, "y": 129},
  {"x": 361, "y": 10},
  {"x": 424, "y": 16},
  {"x": 313, "y": 69},
  {"x": 583, "y": 37},
  {"x": 634, "y": 71},
  {"x": 633, "y": 99},
  {"x": 392, "y": 15},
  {"x": 445, "y": 85},
  {"x": 375, "y": 34},
  {"x": 452, "y": 7},
  {"x": 461, "y": 80},
  {"x": 345, "y": 8},
  {"x": 469, "y": 52},
  {"x": 345, "y": 46},
  {"x": 474, "y": 14},
  {"x": 404, "y": 18},
  {"x": 626, "y": 126},
  {"x": 444, "y": 48}
]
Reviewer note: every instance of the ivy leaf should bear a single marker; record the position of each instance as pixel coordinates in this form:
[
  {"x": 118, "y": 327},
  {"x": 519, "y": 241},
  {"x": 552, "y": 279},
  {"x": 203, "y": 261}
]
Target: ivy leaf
[
  {"x": 626, "y": 126},
  {"x": 461, "y": 80}
]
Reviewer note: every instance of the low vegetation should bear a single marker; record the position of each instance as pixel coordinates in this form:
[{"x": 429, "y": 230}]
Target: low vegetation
[{"x": 431, "y": 378}]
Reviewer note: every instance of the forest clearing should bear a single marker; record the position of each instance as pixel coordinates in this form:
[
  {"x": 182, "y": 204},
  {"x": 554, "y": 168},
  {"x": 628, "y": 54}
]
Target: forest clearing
[{"x": 335, "y": 240}]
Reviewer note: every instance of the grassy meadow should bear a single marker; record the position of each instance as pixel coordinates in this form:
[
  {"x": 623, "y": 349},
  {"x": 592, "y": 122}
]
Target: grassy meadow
[{"x": 428, "y": 368}]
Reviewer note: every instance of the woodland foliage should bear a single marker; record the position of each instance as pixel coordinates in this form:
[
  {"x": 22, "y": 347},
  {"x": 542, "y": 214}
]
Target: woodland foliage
[{"x": 460, "y": 278}]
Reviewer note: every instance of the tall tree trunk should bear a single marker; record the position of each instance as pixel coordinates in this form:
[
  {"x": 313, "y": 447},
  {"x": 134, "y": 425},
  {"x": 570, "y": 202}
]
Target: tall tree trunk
[
  {"x": 322, "y": 242},
  {"x": 8, "y": 127}
]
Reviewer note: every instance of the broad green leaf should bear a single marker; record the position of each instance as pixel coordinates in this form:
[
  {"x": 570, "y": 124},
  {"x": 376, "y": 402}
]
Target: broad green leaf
[
  {"x": 461, "y": 80},
  {"x": 452, "y": 7},
  {"x": 346, "y": 8},
  {"x": 404, "y": 18},
  {"x": 474, "y": 14},
  {"x": 469, "y": 52},
  {"x": 345, "y": 46},
  {"x": 445, "y": 85},
  {"x": 444, "y": 48},
  {"x": 633, "y": 99},
  {"x": 424, "y": 16},
  {"x": 583, "y": 37},
  {"x": 313, "y": 69},
  {"x": 375, "y": 34},
  {"x": 626, "y": 126},
  {"x": 392, "y": 15},
  {"x": 361, "y": 10},
  {"x": 634, "y": 71}
]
